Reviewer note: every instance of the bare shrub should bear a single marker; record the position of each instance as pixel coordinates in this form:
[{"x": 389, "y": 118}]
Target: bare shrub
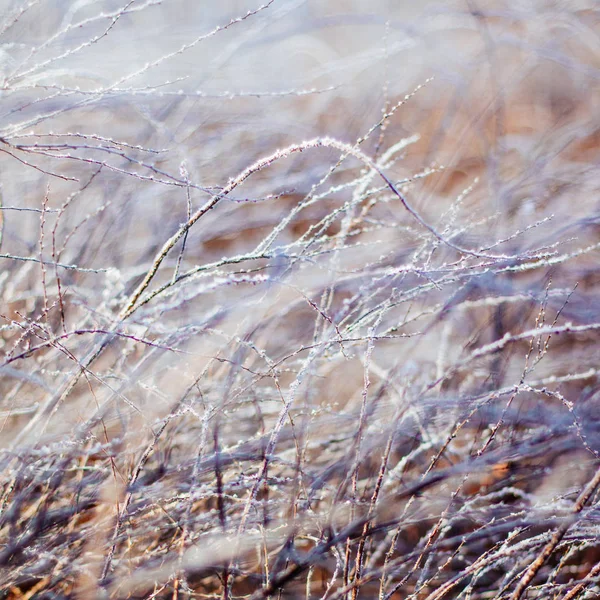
[{"x": 299, "y": 300}]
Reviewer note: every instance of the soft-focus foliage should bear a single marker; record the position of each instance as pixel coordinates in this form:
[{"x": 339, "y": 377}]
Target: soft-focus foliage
[{"x": 299, "y": 300}]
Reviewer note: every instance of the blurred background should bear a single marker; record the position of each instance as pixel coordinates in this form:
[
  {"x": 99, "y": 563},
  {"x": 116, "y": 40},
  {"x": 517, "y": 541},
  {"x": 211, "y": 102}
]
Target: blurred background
[{"x": 509, "y": 89}]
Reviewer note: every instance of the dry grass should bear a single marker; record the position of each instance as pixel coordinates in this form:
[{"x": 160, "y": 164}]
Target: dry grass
[{"x": 299, "y": 300}]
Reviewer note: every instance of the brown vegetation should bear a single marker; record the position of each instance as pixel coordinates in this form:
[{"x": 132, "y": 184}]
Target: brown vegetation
[{"x": 299, "y": 300}]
